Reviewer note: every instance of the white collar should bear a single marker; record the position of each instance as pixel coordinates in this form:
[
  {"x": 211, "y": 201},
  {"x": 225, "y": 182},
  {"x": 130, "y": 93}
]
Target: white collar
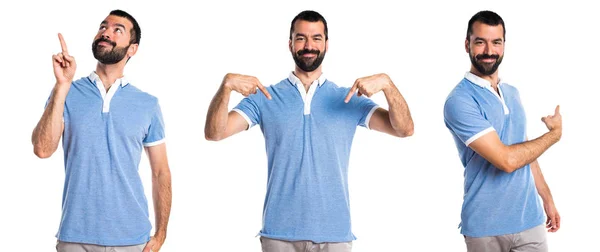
[
  {"x": 295, "y": 80},
  {"x": 480, "y": 81},
  {"x": 95, "y": 79}
]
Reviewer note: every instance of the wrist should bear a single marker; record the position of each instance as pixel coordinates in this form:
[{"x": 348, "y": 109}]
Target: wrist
[
  {"x": 225, "y": 88},
  {"x": 556, "y": 133},
  {"x": 160, "y": 235},
  {"x": 389, "y": 87},
  {"x": 61, "y": 89}
]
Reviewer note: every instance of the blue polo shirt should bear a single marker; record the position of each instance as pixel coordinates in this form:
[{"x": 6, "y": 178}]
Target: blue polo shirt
[
  {"x": 308, "y": 136},
  {"x": 495, "y": 202},
  {"x": 105, "y": 132}
]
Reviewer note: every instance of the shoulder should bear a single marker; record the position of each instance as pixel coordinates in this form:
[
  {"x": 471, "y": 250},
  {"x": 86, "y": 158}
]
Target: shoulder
[
  {"x": 509, "y": 88},
  {"x": 139, "y": 96},
  {"x": 463, "y": 91},
  {"x": 82, "y": 81}
]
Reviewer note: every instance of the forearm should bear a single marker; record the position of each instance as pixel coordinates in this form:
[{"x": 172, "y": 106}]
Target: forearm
[
  {"x": 399, "y": 113},
  {"x": 527, "y": 152},
  {"x": 47, "y": 133},
  {"x": 161, "y": 195},
  {"x": 540, "y": 183},
  {"x": 217, "y": 116}
]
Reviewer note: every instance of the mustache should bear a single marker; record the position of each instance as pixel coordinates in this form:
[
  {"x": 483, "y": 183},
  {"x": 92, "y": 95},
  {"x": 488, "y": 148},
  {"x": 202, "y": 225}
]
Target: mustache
[
  {"x": 306, "y": 51},
  {"x": 487, "y": 56},
  {"x": 114, "y": 44}
]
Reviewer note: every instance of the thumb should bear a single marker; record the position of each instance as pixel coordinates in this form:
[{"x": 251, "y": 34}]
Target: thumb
[{"x": 149, "y": 246}]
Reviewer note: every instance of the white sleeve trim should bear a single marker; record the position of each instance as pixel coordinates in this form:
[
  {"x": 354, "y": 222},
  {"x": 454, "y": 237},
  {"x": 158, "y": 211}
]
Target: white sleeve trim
[
  {"x": 368, "y": 119},
  {"x": 245, "y": 118},
  {"x": 478, "y": 135},
  {"x": 154, "y": 143}
]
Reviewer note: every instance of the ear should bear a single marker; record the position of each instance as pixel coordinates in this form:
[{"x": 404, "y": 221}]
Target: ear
[
  {"x": 132, "y": 50},
  {"x": 290, "y": 46},
  {"x": 467, "y": 45},
  {"x": 327, "y": 45}
]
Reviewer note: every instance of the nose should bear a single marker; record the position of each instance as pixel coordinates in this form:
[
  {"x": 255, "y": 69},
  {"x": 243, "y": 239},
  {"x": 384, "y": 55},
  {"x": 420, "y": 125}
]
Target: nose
[
  {"x": 309, "y": 45},
  {"x": 105, "y": 34},
  {"x": 489, "y": 50}
]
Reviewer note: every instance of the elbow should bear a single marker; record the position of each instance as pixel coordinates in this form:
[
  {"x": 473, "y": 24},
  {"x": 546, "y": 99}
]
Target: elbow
[
  {"x": 506, "y": 168},
  {"x": 40, "y": 153},
  {"x": 406, "y": 131},
  {"x": 509, "y": 166},
  {"x": 210, "y": 136},
  {"x": 409, "y": 132}
]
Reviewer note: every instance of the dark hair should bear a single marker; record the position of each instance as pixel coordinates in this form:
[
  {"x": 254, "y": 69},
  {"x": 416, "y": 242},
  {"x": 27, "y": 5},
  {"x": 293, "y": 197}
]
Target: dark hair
[
  {"x": 136, "y": 32},
  {"x": 310, "y": 16},
  {"x": 488, "y": 18}
]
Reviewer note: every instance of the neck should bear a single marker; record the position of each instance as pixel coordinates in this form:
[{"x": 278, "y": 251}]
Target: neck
[
  {"x": 307, "y": 78},
  {"x": 110, "y": 73},
  {"x": 493, "y": 78}
]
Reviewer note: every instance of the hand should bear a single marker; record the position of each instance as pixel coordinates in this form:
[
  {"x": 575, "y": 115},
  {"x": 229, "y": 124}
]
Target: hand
[
  {"x": 244, "y": 84},
  {"x": 554, "y": 121},
  {"x": 369, "y": 85},
  {"x": 553, "y": 218},
  {"x": 154, "y": 244},
  {"x": 64, "y": 64}
]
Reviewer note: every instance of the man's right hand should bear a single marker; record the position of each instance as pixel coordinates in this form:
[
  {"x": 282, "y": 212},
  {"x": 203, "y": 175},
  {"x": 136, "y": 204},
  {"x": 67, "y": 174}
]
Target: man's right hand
[
  {"x": 554, "y": 122},
  {"x": 244, "y": 84},
  {"x": 64, "y": 65}
]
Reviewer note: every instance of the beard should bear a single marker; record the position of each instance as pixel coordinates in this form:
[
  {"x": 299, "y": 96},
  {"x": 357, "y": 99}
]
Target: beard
[
  {"x": 308, "y": 65},
  {"x": 486, "y": 68},
  {"x": 108, "y": 57}
]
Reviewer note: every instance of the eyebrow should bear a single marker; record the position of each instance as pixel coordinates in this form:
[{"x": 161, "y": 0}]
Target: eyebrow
[
  {"x": 117, "y": 24},
  {"x": 304, "y": 35},
  {"x": 482, "y": 39}
]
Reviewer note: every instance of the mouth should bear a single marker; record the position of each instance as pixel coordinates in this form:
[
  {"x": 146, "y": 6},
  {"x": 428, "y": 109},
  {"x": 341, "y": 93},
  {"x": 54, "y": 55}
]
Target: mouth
[
  {"x": 309, "y": 55},
  {"x": 104, "y": 43},
  {"x": 488, "y": 60}
]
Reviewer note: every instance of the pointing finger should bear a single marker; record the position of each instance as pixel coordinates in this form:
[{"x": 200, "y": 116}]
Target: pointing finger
[
  {"x": 351, "y": 92},
  {"x": 264, "y": 90},
  {"x": 63, "y": 45}
]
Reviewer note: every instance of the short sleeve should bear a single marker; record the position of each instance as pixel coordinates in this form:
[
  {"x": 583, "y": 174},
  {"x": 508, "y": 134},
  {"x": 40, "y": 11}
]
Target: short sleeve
[
  {"x": 248, "y": 109},
  {"x": 464, "y": 118},
  {"x": 366, "y": 107},
  {"x": 156, "y": 131}
]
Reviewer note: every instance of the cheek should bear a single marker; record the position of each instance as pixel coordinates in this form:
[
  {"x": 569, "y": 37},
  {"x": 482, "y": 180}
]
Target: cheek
[{"x": 500, "y": 51}]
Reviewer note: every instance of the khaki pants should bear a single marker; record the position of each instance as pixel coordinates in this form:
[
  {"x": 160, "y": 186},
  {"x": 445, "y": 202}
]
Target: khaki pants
[
  {"x": 82, "y": 247},
  {"x": 531, "y": 240},
  {"x": 273, "y": 245}
]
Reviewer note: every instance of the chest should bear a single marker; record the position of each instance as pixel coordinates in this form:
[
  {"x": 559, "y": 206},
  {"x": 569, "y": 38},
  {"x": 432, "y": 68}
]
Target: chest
[
  {"x": 321, "y": 113},
  {"x": 506, "y": 114},
  {"x": 86, "y": 116}
]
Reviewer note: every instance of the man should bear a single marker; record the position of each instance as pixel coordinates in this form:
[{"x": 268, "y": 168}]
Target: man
[
  {"x": 308, "y": 123},
  {"x": 105, "y": 121},
  {"x": 501, "y": 210}
]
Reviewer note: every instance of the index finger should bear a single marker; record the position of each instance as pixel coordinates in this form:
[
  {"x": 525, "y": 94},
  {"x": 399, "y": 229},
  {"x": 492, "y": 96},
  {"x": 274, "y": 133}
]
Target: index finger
[
  {"x": 557, "y": 110},
  {"x": 63, "y": 45},
  {"x": 264, "y": 90},
  {"x": 351, "y": 92}
]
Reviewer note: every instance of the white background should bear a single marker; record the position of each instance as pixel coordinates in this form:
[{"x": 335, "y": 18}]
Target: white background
[{"x": 406, "y": 194}]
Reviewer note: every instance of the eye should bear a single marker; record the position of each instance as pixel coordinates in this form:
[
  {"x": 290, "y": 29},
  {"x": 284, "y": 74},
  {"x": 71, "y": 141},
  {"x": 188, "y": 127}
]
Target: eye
[
  {"x": 318, "y": 38},
  {"x": 102, "y": 28},
  {"x": 299, "y": 38},
  {"x": 119, "y": 30}
]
